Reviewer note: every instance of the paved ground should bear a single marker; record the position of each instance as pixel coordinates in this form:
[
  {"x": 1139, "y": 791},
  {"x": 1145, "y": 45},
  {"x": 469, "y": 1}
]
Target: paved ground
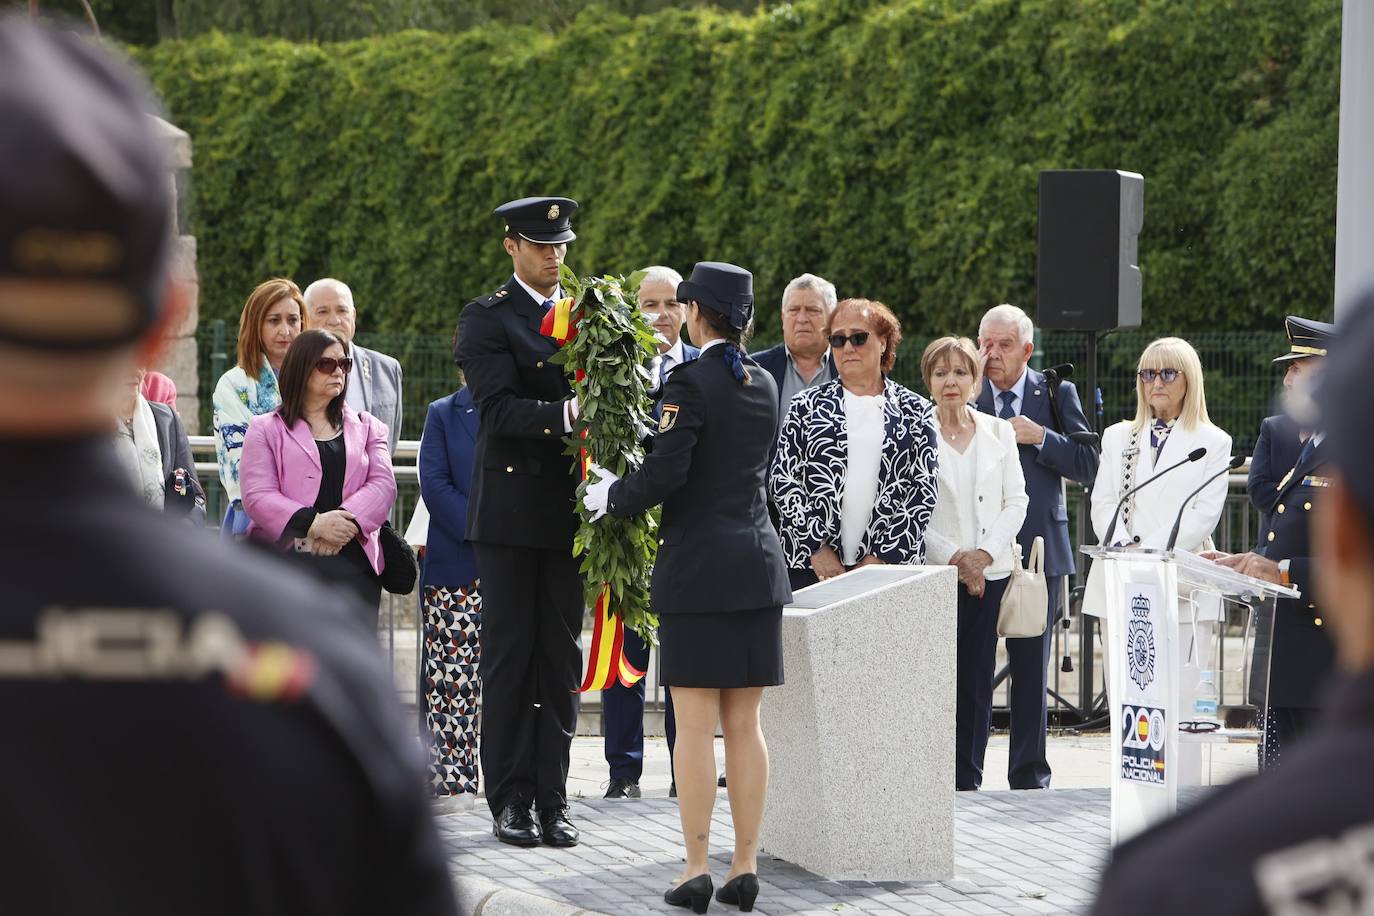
[{"x": 1015, "y": 852}]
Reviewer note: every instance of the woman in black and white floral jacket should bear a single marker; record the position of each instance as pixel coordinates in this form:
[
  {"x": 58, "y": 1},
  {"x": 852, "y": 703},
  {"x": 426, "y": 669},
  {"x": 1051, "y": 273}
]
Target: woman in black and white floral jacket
[{"x": 854, "y": 475}]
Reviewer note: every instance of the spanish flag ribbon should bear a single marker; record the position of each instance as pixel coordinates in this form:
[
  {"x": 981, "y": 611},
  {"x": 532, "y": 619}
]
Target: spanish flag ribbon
[
  {"x": 559, "y": 322},
  {"x": 606, "y": 664}
]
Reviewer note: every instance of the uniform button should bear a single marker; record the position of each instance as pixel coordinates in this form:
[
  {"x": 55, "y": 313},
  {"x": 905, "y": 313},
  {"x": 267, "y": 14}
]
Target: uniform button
[
  {"x": 660, "y": 542},
  {"x": 1317, "y": 621},
  {"x": 539, "y": 365},
  {"x": 1307, "y": 506},
  {"x": 1271, "y": 535},
  {"x": 980, "y": 499},
  {"x": 547, "y": 431},
  {"x": 1281, "y": 508},
  {"x": 510, "y": 469}
]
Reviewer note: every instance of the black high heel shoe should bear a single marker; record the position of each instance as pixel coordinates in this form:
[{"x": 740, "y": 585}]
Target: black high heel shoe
[
  {"x": 695, "y": 893},
  {"x": 740, "y": 891}
]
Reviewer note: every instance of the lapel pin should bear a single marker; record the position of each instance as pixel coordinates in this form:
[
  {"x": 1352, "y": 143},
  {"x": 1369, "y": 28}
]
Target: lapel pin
[{"x": 1037, "y": 391}]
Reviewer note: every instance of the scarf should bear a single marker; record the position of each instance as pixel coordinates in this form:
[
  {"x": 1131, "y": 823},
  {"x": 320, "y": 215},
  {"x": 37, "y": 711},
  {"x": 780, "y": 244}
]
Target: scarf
[{"x": 139, "y": 453}]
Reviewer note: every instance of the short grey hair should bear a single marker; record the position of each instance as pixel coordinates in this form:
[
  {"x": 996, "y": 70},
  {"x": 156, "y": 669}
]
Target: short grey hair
[
  {"x": 660, "y": 274},
  {"x": 1009, "y": 314},
  {"x": 338, "y": 286},
  {"x": 819, "y": 284}
]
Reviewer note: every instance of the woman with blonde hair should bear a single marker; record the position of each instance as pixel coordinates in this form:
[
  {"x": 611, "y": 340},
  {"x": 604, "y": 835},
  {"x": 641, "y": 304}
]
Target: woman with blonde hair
[
  {"x": 1170, "y": 422},
  {"x": 979, "y": 510},
  {"x": 272, "y": 317}
]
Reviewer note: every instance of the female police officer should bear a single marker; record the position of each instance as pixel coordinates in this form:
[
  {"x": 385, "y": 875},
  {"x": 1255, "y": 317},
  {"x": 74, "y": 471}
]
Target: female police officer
[{"x": 720, "y": 580}]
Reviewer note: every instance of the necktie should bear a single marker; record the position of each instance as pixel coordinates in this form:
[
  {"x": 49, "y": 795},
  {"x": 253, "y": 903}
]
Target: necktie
[
  {"x": 1308, "y": 448},
  {"x": 548, "y": 304},
  {"x": 665, "y": 365},
  {"x": 1007, "y": 412}
]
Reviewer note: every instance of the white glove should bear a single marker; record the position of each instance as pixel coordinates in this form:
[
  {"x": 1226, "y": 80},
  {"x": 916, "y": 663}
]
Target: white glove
[
  {"x": 571, "y": 410},
  {"x": 599, "y": 490},
  {"x": 653, "y": 369}
]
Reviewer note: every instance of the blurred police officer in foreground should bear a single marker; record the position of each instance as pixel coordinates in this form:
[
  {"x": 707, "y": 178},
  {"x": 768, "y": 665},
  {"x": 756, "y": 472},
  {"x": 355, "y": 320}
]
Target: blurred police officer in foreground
[
  {"x": 1299, "y": 838},
  {"x": 1302, "y": 655},
  {"x": 187, "y": 728},
  {"x": 521, "y": 521}
]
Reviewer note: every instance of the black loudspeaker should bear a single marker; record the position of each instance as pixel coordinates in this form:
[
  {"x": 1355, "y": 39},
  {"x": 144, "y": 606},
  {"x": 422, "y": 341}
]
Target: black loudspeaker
[{"x": 1087, "y": 278}]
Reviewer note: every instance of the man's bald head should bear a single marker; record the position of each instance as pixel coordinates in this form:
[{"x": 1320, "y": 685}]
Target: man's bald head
[{"x": 329, "y": 305}]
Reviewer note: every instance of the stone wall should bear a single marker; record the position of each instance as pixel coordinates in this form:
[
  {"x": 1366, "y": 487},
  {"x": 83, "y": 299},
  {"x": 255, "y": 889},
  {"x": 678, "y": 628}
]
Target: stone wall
[{"x": 179, "y": 361}]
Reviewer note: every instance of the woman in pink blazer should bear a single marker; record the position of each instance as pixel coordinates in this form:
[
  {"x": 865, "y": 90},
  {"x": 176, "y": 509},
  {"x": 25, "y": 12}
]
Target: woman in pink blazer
[{"x": 316, "y": 476}]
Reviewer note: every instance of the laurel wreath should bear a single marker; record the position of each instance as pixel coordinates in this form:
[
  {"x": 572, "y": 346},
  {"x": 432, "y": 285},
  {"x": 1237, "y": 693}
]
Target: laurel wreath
[{"x": 612, "y": 346}]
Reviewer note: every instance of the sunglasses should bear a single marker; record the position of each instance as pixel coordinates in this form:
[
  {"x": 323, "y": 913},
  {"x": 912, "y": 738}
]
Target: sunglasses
[
  {"x": 1170, "y": 376},
  {"x": 857, "y": 339},
  {"x": 327, "y": 364}
]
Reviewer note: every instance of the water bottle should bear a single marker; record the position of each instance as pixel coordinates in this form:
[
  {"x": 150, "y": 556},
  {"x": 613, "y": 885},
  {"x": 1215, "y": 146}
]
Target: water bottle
[{"x": 1205, "y": 697}]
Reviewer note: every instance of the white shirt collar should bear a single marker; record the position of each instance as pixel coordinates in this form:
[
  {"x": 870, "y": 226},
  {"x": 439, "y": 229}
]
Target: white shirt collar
[
  {"x": 718, "y": 340},
  {"x": 674, "y": 355},
  {"x": 539, "y": 298},
  {"x": 1018, "y": 389}
]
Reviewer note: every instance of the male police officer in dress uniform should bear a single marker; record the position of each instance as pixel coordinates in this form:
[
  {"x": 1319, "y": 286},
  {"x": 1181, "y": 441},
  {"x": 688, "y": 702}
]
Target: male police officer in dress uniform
[
  {"x": 521, "y": 520},
  {"x": 187, "y": 728},
  {"x": 1302, "y": 655},
  {"x": 1299, "y": 838},
  {"x": 1280, "y": 440}
]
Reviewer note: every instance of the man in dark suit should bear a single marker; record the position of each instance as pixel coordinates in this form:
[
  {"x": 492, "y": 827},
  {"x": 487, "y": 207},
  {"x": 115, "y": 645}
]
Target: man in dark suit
[
  {"x": 622, "y": 708},
  {"x": 1280, "y": 440},
  {"x": 521, "y": 522},
  {"x": 803, "y": 359},
  {"x": 374, "y": 382},
  {"x": 1295, "y": 839},
  {"x": 1049, "y": 456},
  {"x": 1301, "y": 658}
]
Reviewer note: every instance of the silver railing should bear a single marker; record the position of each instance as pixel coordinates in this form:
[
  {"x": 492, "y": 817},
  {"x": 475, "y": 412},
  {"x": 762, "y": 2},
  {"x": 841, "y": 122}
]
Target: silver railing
[{"x": 399, "y": 630}]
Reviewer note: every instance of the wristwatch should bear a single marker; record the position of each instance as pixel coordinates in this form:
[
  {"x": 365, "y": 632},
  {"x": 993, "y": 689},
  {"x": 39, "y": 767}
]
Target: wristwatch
[{"x": 1283, "y": 573}]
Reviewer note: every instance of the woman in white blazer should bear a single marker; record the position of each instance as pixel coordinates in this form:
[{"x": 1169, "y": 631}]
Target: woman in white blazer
[
  {"x": 979, "y": 509},
  {"x": 1170, "y": 421}
]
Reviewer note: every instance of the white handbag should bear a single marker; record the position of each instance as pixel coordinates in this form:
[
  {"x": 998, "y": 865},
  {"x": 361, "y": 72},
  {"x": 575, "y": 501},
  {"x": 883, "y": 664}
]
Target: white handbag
[{"x": 1025, "y": 603}]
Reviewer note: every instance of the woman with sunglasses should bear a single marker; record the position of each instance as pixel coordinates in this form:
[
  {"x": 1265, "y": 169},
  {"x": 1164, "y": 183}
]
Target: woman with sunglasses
[
  {"x": 854, "y": 473},
  {"x": 1170, "y": 421},
  {"x": 316, "y": 476}
]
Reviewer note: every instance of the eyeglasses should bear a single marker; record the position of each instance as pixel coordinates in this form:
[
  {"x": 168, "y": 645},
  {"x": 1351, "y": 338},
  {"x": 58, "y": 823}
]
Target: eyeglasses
[
  {"x": 857, "y": 339},
  {"x": 327, "y": 364},
  {"x": 1201, "y": 727},
  {"x": 1169, "y": 376}
]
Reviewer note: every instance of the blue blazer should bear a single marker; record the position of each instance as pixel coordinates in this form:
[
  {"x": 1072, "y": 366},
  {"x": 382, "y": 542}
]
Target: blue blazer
[
  {"x": 1276, "y": 451},
  {"x": 1059, "y": 458},
  {"x": 446, "y": 449}
]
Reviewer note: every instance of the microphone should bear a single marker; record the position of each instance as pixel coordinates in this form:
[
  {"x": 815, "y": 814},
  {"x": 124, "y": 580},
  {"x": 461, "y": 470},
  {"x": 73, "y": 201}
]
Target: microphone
[
  {"x": 1195, "y": 455},
  {"x": 1058, "y": 373},
  {"x": 1231, "y": 465}
]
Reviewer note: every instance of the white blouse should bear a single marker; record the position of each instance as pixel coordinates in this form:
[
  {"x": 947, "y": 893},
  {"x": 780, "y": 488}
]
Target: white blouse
[
  {"x": 864, "y": 423},
  {"x": 963, "y": 469}
]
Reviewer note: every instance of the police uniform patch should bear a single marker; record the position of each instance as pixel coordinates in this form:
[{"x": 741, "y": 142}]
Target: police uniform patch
[{"x": 668, "y": 418}]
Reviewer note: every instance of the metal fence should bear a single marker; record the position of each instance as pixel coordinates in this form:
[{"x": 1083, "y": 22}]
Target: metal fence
[
  {"x": 1241, "y": 382},
  {"x": 1238, "y": 530}
]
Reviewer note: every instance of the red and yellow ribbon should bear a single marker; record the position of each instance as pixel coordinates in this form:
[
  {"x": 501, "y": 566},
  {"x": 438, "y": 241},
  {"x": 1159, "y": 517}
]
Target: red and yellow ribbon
[{"x": 606, "y": 662}]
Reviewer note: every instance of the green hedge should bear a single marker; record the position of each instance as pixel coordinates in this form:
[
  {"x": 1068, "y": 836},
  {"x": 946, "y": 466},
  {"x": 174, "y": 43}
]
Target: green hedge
[{"x": 890, "y": 146}]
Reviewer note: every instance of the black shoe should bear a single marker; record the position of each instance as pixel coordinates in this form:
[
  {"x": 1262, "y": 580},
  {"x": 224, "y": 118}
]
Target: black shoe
[
  {"x": 721, "y": 782},
  {"x": 672, "y": 789},
  {"x": 623, "y": 788},
  {"x": 695, "y": 893},
  {"x": 740, "y": 891},
  {"x": 558, "y": 830},
  {"x": 515, "y": 826}
]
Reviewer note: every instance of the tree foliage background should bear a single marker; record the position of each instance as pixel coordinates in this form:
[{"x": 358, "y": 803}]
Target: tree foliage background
[{"x": 890, "y": 146}]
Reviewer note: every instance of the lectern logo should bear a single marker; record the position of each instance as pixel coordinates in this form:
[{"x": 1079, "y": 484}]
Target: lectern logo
[{"x": 1140, "y": 643}]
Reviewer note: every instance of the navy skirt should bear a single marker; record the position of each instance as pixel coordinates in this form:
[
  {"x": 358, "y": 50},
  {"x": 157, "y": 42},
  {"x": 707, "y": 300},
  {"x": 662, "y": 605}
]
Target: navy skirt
[{"x": 722, "y": 649}]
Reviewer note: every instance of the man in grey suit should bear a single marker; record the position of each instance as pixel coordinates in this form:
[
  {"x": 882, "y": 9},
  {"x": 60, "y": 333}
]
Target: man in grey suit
[{"x": 374, "y": 384}]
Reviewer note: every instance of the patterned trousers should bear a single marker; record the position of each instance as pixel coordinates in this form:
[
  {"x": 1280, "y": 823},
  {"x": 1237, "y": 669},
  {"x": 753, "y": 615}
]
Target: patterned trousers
[{"x": 448, "y": 678}]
